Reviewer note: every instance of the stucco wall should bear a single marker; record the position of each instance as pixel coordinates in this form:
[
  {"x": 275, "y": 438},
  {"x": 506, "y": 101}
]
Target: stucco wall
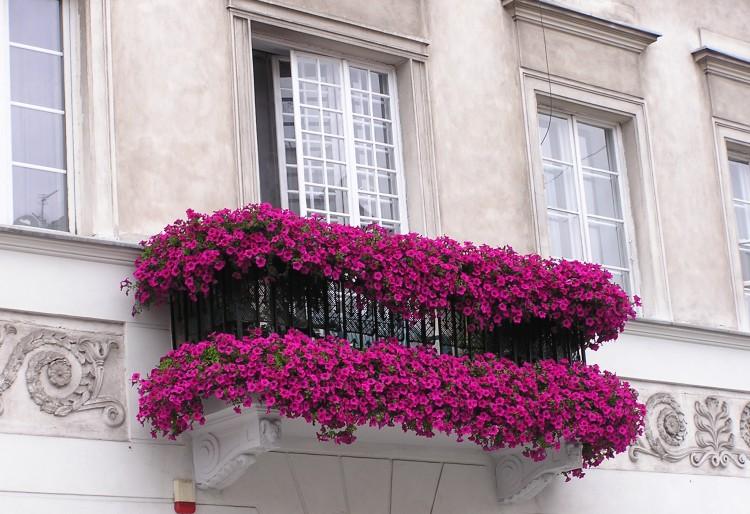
[
  {"x": 174, "y": 119},
  {"x": 172, "y": 79}
]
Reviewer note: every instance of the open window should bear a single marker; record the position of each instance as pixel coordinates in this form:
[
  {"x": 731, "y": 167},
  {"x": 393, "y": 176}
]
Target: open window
[{"x": 328, "y": 136}]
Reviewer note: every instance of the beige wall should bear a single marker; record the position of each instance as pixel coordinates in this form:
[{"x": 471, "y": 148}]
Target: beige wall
[{"x": 174, "y": 120}]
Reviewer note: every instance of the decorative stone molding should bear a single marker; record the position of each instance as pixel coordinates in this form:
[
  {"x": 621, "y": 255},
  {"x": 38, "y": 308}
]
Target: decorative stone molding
[
  {"x": 228, "y": 444},
  {"x": 519, "y": 478},
  {"x": 64, "y": 374},
  {"x": 666, "y": 432},
  {"x": 571, "y": 21},
  {"x": 715, "y": 62}
]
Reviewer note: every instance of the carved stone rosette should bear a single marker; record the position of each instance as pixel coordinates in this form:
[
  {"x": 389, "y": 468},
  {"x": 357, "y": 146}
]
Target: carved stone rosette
[
  {"x": 666, "y": 433},
  {"x": 55, "y": 360}
]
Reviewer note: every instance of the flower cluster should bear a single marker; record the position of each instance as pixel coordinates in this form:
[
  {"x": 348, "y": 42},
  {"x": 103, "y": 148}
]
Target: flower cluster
[
  {"x": 493, "y": 402},
  {"x": 408, "y": 273}
]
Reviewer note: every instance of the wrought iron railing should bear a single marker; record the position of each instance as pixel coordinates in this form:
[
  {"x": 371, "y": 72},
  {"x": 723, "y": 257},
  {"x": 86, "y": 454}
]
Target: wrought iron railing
[{"x": 320, "y": 307}]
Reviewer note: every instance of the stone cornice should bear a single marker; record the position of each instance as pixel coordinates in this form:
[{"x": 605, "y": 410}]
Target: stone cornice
[
  {"x": 716, "y": 62},
  {"x": 329, "y": 27},
  {"x": 61, "y": 244},
  {"x": 564, "y": 19}
]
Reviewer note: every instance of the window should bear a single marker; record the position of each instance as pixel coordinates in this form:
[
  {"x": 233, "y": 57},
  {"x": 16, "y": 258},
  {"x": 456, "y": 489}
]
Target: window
[
  {"x": 336, "y": 138},
  {"x": 33, "y": 176},
  {"x": 583, "y": 190},
  {"x": 739, "y": 170}
]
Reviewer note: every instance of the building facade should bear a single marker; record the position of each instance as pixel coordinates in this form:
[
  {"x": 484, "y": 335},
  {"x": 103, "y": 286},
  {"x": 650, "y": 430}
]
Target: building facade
[{"x": 612, "y": 131}]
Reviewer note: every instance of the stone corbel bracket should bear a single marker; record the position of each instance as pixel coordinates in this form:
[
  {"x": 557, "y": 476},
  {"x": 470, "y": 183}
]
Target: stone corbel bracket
[
  {"x": 229, "y": 443},
  {"x": 519, "y": 478}
]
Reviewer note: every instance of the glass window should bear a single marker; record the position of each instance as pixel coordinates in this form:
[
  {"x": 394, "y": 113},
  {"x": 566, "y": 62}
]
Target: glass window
[
  {"x": 337, "y": 120},
  {"x": 583, "y": 192},
  {"x": 739, "y": 171},
  {"x": 38, "y": 170}
]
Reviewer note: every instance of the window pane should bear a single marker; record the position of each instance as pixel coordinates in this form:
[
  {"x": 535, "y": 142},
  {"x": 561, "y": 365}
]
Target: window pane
[
  {"x": 385, "y": 157},
  {"x": 596, "y": 147},
  {"x": 740, "y": 175},
  {"x": 330, "y": 97},
  {"x": 333, "y": 123},
  {"x": 602, "y": 194},
  {"x": 564, "y": 235},
  {"x": 294, "y": 202},
  {"x": 329, "y": 71},
  {"x": 38, "y": 137},
  {"x": 336, "y": 174},
  {"x": 742, "y": 213},
  {"x": 621, "y": 278},
  {"x": 363, "y": 154},
  {"x": 554, "y": 137},
  {"x": 308, "y": 94},
  {"x": 388, "y": 208},
  {"x": 362, "y": 128},
  {"x": 310, "y": 119},
  {"x": 368, "y": 206},
  {"x": 39, "y": 199},
  {"x": 381, "y": 107},
  {"x": 36, "y": 23},
  {"x": 745, "y": 262},
  {"x": 379, "y": 82},
  {"x": 559, "y": 186},
  {"x": 316, "y": 198},
  {"x": 337, "y": 201},
  {"x": 361, "y": 103},
  {"x": 314, "y": 171},
  {"x": 387, "y": 183},
  {"x": 335, "y": 149},
  {"x": 312, "y": 145},
  {"x": 36, "y": 78},
  {"x": 358, "y": 79},
  {"x": 607, "y": 243},
  {"x": 366, "y": 179},
  {"x": 383, "y": 132},
  {"x": 307, "y": 68}
]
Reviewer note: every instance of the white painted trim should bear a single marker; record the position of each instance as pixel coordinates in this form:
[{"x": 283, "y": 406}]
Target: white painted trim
[
  {"x": 63, "y": 244},
  {"x": 686, "y": 333}
]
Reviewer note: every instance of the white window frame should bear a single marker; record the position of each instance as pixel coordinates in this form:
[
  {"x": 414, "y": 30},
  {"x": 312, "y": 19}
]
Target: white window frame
[
  {"x": 572, "y": 121},
  {"x": 732, "y": 143},
  {"x": 352, "y": 188},
  {"x": 6, "y": 150},
  {"x": 744, "y": 158}
]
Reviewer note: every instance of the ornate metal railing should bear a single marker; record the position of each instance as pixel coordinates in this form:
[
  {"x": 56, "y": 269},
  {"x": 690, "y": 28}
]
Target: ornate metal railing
[{"x": 319, "y": 308}]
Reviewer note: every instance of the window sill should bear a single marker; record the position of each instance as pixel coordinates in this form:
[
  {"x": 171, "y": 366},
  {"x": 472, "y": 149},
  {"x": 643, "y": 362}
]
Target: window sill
[
  {"x": 689, "y": 333},
  {"x": 63, "y": 244}
]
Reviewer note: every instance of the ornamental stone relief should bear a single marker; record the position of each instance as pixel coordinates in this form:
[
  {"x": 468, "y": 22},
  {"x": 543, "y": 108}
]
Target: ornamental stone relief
[
  {"x": 73, "y": 377},
  {"x": 709, "y": 443}
]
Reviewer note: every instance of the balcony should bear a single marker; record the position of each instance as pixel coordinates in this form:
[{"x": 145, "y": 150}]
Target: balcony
[{"x": 333, "y": 329}]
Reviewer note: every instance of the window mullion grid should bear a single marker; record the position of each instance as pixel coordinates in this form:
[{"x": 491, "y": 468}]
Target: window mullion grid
[
  {"x": 351, "y": 156},
  {"x": 298, "y": 133},
  {"x": 6, "y": 187},
  {"x": 580, "y": 191}
]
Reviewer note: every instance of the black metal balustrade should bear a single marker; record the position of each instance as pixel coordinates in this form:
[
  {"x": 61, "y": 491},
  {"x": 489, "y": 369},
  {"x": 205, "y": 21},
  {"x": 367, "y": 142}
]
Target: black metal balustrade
[{"x": 320, "y": 307}]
